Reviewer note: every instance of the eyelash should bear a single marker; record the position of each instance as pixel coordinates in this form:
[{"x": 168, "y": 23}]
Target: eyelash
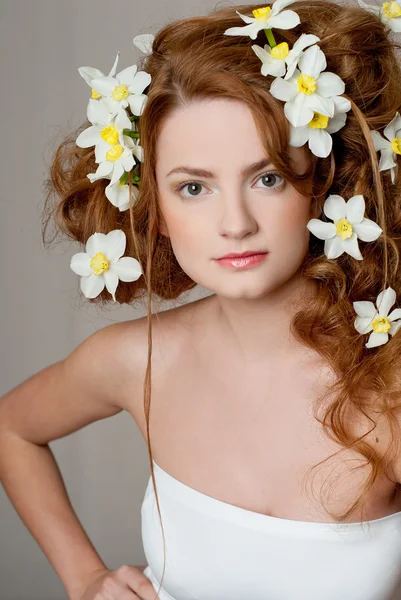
[{"x": 181, "y": 186}]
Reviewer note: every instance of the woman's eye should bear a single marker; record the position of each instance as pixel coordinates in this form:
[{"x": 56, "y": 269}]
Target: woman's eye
[
  {"x": 270, "y": 180},
  {"x": 192, "y": 186}
]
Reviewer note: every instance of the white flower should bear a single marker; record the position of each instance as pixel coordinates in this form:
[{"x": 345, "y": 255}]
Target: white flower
[
  {"x": 126, "y": 88},
  {"x": 90, "y": 73},
  {"x": 118, "y": 194},
  {"x": 349, "y": 224},
  {"x": 106, "y": 130},
  {"x": 266, "y": 18},
  {"x": 308, "y": 90},
  {"x": 101, "y": 265},
  {"x": 144, "y": 42},
  {"x": 390, "y": 148},
  {"x": 388, "y": 12},
  {"x": 274, "y": 60},
  {"x": 317, "y": 131},
  {"x": 377, "y": 319}
]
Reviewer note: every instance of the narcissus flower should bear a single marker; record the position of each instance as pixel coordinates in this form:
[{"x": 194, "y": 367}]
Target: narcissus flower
[
  {"x": 348, "y": 225},
  {"x": 266, "y": 18},
  {"x": 377, "y": 319},
  {"x": 388, "y": 12},
  {"x": 101, "y": 264},
  {"x": 276, "y": 60},
  {"x": 389, "y": 148}
]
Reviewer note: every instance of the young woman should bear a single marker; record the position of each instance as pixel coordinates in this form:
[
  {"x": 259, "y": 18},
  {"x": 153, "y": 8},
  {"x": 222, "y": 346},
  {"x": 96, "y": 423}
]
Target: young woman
[{"x": 274, "y": 402}]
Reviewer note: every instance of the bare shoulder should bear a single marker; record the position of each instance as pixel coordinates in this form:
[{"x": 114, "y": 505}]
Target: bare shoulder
[{"x": 172, "y": 335}]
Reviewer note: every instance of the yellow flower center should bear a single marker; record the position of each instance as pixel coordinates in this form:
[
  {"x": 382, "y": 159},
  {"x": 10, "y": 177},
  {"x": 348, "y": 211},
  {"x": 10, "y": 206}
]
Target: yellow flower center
[
  {"x": 343, "y": 228},
  {"x": 99, "y": 263},
  {"x": 306, "y": 84},
  {"x": 392, "y": 10},
  {"x": 120, "y": 92},
  {"x": 114, "y": 153},
  {"x": 381, "y": 325},
  {"x": 110, "y": 134},
  {"x": 318, "y": 121},
  {"x": 95, "y": 95},
  {"x": 280, "y": 51},
  {"x": 396, "y": 145},
  {"x": 262, "y": 14}
]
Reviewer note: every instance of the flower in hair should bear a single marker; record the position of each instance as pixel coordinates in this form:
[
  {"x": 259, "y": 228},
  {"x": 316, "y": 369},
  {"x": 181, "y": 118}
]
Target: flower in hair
[
  {"x": 348, "y": 225},
  {"x": 266, "y": 18},
  {"x": 126, "y": 88},
  {"x": 390, "y": 147},
  {"x": 276, "y": 59},
  {"x": 113, "y": 148},
  {"x": 388, "y": 12},
  {"x": 101, "y": 264},
  {"x": 90, "y": 73},
  {"x": 144, "y": 42},
  {"x": 377, "y": 319},
  {"x": 317, "y": 131},
  {"x": 309, "y": 90}
]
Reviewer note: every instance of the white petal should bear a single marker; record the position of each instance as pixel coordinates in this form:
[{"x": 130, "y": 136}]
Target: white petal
[
  {"x": 334, "y": 207},
  {"x": 367, "y": 230},
  {"x": 391, "y": 129},
  {"x": 336, "y": 122},
  {"x": 386, "y": 160},
  {"x": 111, "y": 281},
  {"x": 249, "y": 30},
  {"x": 355, "y": 209},
  {"x": 375, "y": 10},
  {"x": 80, "y": 264},
  {"x": 141, "y": 81},
  {"x": 395, "y": 24},
  {"x": 351, "y": 247},
  {"x": 385, "y": 301},
  {"x": 363, "y": 325},
  {"x": 329, "y": 84},
  {"x": 394, "y": 327},
  {"x": 324, "y": 106},
  {"x": 89, "y": 73},
  {"x": 96, "y": 243},
  {"x": 114, "y": 67},
  {"x": 127, "y": 75},
  {"x": 364, "y": 309},
  {"x": 333, "y": 247},
  {"x": 98, "y": 113},
  {"x": 278, "y": 5},
  {"x": 395, "y": 314},
  {"x": 127, "y": 269},
  {"x": 376, "y": 339},
  {"x": 312, "y": 62},
  {"x": 285, "y": 20},
  {"x": 320, "y": 142},
  {"x": 92, "y": 286},
  {"x": 341, "y": 104},
  {"x": 88, "y": 137},
  {"x": 283, "y": 90},
  {"x": 321, "y": 230},
  {"x": 137, "y": 104},
  {"x": 116, "y": 242},
  {"x": 105, "y": 85},
  {"x": 122, "y": 120},
  {"x": 297, "y": 112},
  {"x": 144, "y": 42},
  {"x": 379, "y": 141},
  {"x": 299, "y": 135},
  {"x": 304, "y": 40}
]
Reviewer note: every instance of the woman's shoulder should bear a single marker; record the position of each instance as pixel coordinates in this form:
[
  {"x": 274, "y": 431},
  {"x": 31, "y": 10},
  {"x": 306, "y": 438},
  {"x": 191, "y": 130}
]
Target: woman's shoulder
[{"x": 173, "y": 332}]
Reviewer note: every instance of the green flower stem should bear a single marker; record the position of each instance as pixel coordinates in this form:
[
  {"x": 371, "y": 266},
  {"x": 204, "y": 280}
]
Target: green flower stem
[
  {"x": 132, "y": 134},
  {"x": 270, "y": 38}
]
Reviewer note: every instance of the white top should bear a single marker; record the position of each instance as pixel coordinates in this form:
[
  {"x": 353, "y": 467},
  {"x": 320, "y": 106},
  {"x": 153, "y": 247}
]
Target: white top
[{"x": 219, "y": 551}]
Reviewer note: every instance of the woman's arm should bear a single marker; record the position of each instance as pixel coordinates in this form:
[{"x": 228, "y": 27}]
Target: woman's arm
[{"x": 62, "y": 398}]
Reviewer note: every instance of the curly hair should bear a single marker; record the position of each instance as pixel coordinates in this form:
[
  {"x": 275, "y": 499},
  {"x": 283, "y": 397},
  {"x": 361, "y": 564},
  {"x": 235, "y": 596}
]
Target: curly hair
[{"x": 192, "y": 59}]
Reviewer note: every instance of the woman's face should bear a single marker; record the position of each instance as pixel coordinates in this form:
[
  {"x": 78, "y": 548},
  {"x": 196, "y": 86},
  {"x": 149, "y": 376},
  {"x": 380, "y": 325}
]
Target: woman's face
[{"x": 228, "y": 209}]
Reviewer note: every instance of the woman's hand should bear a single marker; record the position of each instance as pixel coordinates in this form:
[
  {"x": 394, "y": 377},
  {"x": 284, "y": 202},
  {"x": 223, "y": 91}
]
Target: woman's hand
[{"x": 125, "y": 583}]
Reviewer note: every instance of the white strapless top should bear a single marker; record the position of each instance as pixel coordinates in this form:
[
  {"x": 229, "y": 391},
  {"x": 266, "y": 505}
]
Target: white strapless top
[{"x": 219, "y": 551}]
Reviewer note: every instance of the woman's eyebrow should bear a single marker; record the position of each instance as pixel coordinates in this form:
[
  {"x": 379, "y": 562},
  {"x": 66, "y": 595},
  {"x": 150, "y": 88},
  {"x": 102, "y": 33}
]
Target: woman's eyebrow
[{"x": 246, "y": 171}]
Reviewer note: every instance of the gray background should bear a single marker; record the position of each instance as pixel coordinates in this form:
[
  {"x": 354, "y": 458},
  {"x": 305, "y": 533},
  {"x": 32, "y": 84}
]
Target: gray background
[{"x": 43, "y": 313}]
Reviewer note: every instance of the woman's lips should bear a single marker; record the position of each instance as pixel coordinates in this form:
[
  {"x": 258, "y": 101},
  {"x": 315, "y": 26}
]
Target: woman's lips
[{"x": 242, "y": 262}]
